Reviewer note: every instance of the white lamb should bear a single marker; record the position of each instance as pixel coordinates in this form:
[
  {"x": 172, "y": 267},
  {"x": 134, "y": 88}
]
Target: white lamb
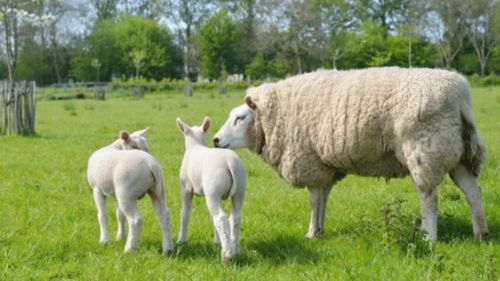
[
  {"x": 123, "y": 169},
  {"x": 217, "y": 174}
]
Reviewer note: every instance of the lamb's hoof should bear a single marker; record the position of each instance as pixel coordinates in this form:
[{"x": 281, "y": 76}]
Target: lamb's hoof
[
  {"x": 104, "y": 242},
  {"x": 482, "y": 236},
  {"x": 168, "y": 252},
  {"x": 181, "y": 241},
  {"x": 120, "y": 236},
  {"x": 129, "y": 249}
]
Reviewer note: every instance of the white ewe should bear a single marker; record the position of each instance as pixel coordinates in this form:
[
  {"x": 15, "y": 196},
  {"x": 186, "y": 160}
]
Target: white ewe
[
  {"x": 217, "y": 174},
  {"x": 382, "y": 122},
  {"x": 120, "y": 169}
]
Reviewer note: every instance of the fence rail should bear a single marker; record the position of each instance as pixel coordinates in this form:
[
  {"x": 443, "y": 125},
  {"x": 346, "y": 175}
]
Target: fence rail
[{"x": 17, "y": 107}]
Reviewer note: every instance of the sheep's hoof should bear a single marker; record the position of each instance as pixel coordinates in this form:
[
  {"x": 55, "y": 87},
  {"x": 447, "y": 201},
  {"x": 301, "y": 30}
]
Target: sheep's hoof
[
  {"x": 120, "y": 236},
  {"x": 481, "y": 236},
  {"x": 311, "y": 234}
]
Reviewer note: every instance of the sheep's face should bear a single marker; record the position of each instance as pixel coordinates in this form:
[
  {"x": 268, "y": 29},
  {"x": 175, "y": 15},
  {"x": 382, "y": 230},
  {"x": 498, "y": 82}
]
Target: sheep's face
[
  {"x": 234, "y": 133},
  {"x": 136, "y": 140},
  {"x": 196, "y": 135}
]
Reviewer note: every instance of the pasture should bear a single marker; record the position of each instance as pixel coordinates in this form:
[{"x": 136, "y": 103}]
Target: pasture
[{"x": 49, "y": 229}]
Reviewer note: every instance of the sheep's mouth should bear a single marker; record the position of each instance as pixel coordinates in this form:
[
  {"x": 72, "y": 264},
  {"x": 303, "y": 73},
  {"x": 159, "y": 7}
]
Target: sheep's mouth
[{"x": 225, "y": 146}]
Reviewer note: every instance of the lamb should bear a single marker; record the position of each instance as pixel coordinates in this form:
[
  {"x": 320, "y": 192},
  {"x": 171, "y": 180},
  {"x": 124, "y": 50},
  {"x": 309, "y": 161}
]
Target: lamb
[
  {"x": 216, "y": 174},
  {"x": 316, "y": 128},
  {"x": 124, "y": 169}
]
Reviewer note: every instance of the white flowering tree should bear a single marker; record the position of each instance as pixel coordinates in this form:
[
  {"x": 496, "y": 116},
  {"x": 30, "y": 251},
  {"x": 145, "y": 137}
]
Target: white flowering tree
[
  {"x": 13, "y": 15},
  {"x": 17, "y": 103}
]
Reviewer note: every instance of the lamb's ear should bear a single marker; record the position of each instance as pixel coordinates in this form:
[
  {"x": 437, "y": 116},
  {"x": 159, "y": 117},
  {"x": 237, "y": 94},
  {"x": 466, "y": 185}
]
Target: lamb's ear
[
  {"x": 142, "y": 133},
  {"x": 124, "y": 136},
  {"x": 183, "y": 127},
  {"x": 250, "y": 103},
  {"x": 206, "y": 124}
]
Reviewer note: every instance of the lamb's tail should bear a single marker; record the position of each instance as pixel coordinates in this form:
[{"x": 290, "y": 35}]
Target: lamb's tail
[
  {"x": 158, "y": 177},
  {"x": 474, "y": 150},
  {"x": 235, "y": 167}
]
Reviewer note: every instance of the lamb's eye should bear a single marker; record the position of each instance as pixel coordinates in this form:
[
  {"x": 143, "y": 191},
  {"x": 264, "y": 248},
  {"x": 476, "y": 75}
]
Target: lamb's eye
[{"x": 237, "y": 119}]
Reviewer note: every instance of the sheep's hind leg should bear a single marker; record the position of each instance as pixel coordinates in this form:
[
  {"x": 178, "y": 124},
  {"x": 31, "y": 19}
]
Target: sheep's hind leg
[
  {"x": 164, "y": 220},
  {"x": 121, "y": 219},
  {"x": 221, "y": 224},
  {"x": 315, "y": 198},
  {"x": 468, "y": 184},
  {"x": 322, "y": 209},
  {"x": 134, "y": 219},
  {"x": 102, "y": 217},
  {"x": 235, "y": 220},
  {"x": 187, "y": 200}
]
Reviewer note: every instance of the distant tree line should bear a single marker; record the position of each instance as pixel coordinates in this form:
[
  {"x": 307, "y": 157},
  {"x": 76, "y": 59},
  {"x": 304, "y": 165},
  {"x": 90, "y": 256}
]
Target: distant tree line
[{"x": 53, "y": 41}]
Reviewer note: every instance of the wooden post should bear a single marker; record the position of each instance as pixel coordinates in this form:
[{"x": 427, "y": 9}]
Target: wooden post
[{"x": 17, "y": 108}]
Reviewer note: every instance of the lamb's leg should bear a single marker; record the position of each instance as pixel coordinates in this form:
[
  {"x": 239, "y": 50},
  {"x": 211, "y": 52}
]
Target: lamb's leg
[
  {"x": 187, "y": 199},
  {"x": 134, "y": 219},
  {"x": 235, "y": 220},
  {"x": 468, "y": 184},
  {"x": 164, "y": 220},
  {"x": 221, "y": 224},
  {"x": 315, "y": 198},
  {"x": 102, "y": 217},
  {"x": 121, "y": 219}
]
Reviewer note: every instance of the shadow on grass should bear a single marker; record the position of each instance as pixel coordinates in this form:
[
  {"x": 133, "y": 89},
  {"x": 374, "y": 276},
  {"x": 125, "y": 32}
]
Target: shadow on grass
[
  {"x": 278, "y": 250},
  {"x": 452, "y": 228},
  {"x": 284, "y": 249}
]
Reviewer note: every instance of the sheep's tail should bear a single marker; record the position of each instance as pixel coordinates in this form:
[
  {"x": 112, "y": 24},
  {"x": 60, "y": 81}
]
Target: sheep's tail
[
  {"x": 237, "y": 174},
  {"x": 474, "y": 150}
]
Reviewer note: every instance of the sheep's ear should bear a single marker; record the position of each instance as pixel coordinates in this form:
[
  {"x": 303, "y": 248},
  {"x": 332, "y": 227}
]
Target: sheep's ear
[
  {"x": 206, "y": 124},
  {"x": 183, "y": 127},
  {"x": 124, "y": 136},
  {"x": 250, "y": 103}
]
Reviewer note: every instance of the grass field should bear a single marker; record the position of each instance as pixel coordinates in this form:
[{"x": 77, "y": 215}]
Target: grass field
[{"x": 49, "y": 229}]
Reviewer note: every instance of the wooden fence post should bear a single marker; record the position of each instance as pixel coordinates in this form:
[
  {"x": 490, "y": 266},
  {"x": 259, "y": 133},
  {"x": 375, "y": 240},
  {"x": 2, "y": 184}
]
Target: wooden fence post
[{"x": 17, "y": 107}]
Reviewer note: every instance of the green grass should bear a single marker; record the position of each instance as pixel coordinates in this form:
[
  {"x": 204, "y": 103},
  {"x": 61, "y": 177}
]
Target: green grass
[{"x": 49, "y": 229}]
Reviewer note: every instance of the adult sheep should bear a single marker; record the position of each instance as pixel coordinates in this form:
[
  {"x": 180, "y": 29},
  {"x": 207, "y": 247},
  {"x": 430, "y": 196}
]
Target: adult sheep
[{"x": 316, "y": 128}]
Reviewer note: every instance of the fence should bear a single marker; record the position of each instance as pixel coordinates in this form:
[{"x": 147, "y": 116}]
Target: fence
[{"x": 17, "y": 107}]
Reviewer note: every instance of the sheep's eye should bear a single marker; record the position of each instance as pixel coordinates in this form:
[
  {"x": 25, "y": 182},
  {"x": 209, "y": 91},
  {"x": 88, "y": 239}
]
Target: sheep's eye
[{"x": 237, "y": 119}]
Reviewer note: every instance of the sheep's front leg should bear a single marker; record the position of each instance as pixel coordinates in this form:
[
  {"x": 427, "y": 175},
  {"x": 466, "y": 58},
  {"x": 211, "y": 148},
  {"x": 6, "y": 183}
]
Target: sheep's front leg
[
  {"x": 187, "y": 199},
  {"x": 102, "y": 217},
  {"x": 315, "y": 198},
  {"x": 235, "y": 221},
  {"x": 221, "y": 224},
  {"x": 121, "y": 219}
]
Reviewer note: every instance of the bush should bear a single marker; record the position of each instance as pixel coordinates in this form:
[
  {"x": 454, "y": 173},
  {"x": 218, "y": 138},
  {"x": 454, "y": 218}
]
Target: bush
[{"x": 171, "y": 85}]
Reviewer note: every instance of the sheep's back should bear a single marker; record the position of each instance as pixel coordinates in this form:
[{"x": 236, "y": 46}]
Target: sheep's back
[{"x": 355, "y": 121}]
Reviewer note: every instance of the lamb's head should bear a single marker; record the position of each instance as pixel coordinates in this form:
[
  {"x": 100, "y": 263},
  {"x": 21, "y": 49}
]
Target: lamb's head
[
  {"x": 136, "y": 140},
  {"x": 196, "y": 135}
]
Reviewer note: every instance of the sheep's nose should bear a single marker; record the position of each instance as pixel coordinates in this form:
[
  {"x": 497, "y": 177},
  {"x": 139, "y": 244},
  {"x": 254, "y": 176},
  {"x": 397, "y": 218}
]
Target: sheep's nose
[{"x": 216, "y": 141}]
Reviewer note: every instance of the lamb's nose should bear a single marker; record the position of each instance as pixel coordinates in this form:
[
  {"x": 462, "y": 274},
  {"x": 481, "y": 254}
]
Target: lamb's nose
[{"x": 216, "y": 141}]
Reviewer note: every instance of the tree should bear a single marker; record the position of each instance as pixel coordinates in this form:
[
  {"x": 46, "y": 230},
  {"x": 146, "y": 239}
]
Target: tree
[
  {"x": 112, "y": 43},
  {"x": 483, "y": 22},
  {"x": 448, "y": 28},
  {"x": 138, "y": 60},
  {"x": 105, "y": 9},
  {"x": 257, "y": 68},
  {"x": 415, "y": 16},
  {"x": 219, "y": 44},
  {"x": 387, "y": 14}
]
